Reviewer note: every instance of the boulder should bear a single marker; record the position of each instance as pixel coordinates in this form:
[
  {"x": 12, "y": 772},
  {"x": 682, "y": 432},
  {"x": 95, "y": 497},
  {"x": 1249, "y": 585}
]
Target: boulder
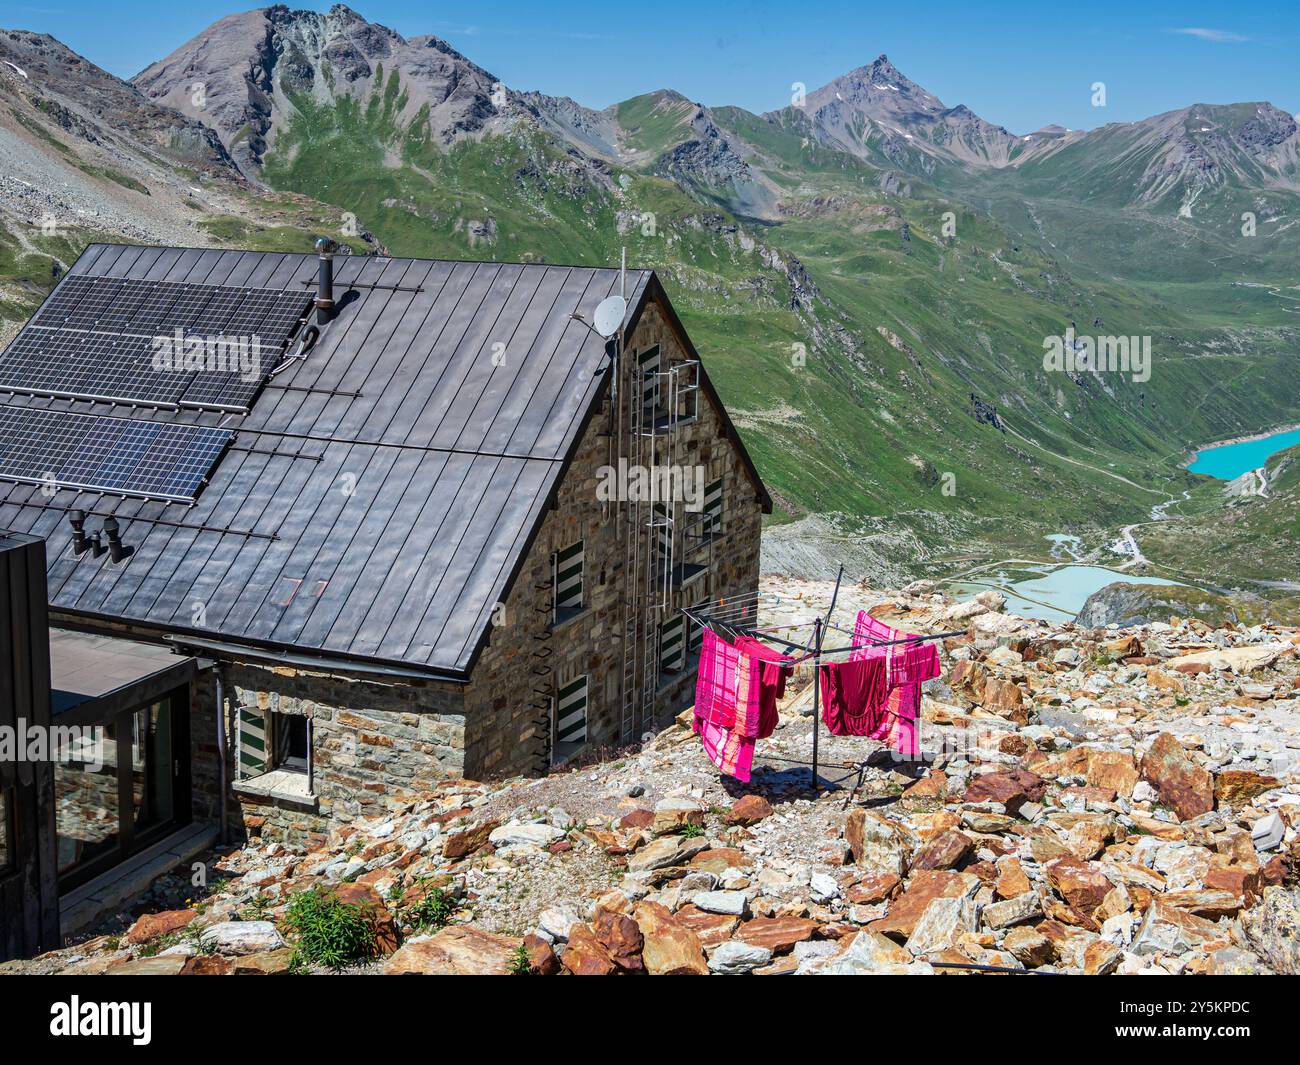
[
  {"x": 1028, "y": 946},
  {"x": 1012, "y": 788},
  {"x": 749, "y": 810},
  {"x": 1272, "y": 929},
  {"x": 1236, "y": 787},
  {"x": 1237, "y": 659},
  {"x": 621, "y": 938},
  {"x": 728, "y": 902},
  {"x": 922, "y": 889},
  {"x": 946, "y": 851},
  {"x": 458, "y": 950},
  {"x": 940, "y": 925},
  {"x": 670, "y": 948},
  {"x": 674, "y": 814},
  {"x": 735, "y": 957},
  {"x": 877, "y": 842},
  {"x": 264, "y": 963},
  {"x": 1012, "y": 911},
  {"x": 240, "y": 937},
  {"x": 536, "y": 833},
  {"x": 462, "y": 841},
  {"x": 870, "y": 953},
  {"x": 1183, "y": 786},
  {"x": 776, "y": 934},
  {"x": 152, "y": 925},
  {"x": 1081, "y": 884},
  {"x": 542, "y": 959},
  {"x": 1115, "y": 770},
  {"x": 585, "y": 955}
]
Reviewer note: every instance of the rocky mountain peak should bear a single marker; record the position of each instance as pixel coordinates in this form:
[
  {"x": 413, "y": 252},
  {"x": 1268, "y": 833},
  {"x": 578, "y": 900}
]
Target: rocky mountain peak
[{"x": 242, "y": 75}]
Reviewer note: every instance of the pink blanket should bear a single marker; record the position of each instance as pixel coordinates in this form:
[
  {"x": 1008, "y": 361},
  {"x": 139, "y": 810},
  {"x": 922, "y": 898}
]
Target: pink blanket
[
  {"x": 908, "y": 666},
  {"x": 728, "y": 704}
]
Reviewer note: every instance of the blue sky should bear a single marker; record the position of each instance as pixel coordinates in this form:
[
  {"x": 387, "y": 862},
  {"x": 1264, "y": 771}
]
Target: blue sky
[{"x": 1019, "y": 64}]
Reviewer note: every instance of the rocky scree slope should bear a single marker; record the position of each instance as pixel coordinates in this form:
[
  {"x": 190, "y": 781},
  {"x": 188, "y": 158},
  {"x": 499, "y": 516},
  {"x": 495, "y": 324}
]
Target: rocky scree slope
[{"x": 1112, "y": 801}]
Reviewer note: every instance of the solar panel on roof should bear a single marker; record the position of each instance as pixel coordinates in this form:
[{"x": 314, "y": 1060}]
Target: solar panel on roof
[
  {"x": 95, "y": 338},
  {"x": 98, "y": 454}
]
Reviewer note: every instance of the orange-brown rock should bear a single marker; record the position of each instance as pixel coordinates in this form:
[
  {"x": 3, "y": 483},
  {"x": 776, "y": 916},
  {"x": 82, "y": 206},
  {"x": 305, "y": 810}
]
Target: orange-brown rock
[
  {"x": 1005, "y": 699},
  {"x": 946, "y": 851},
  {"x": 1115, "y": 770},
  {"x": 1012, "y": 881},
  {"x": 1234, "y": 787},
  {"x": 749, "y": 810},
  {"x": 1011, "y": 787},
  {"x": 777, "y": 934},
  {"x": 671, "y": 949},
  {"x": 712, "y": 928},
  {"x": 542, "y": 959},
  {"x": 457, "y": 950},
  {"x": 152, "y": 925},
  {"x": 586, "y": 955},
  {"x": 1183, "y": 786},
  {"x": 921, "y": 890},
  {"x": 1081, "y": 884},
  {"x": 621, "y": 938},
  {"x": 463, "y": 841},
  {"x": 207, "y": 965},
  {"x": 875, "y": 887}
]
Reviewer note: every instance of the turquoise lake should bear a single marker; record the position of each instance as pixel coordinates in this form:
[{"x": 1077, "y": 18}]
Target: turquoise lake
[
  {"x": 1053, "y": 593},
  {"x": 1232, "y": 460}
]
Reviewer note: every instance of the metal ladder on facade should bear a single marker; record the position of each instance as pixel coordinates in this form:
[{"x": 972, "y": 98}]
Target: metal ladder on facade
[{"x": 631, "y": 558}]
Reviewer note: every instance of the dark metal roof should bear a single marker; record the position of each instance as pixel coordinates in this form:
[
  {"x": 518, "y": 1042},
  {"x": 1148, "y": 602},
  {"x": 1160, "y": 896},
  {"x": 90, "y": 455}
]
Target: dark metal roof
[{"x": 410, "y": 468}]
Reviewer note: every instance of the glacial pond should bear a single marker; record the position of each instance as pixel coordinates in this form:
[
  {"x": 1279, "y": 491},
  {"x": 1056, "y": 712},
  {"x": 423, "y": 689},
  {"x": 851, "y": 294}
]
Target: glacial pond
[
  {"x": 1053, "y": 593},
  {"x": 1229, "y": 461}
]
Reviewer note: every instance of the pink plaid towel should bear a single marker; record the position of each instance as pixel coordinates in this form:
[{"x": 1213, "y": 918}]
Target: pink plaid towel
[
  {"x": 898, "y": 720},
  {"x": 728, "y": 712}
]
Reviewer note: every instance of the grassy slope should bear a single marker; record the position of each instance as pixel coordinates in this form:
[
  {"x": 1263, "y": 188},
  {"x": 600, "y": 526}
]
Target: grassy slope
[{"x": 875, "y": 426}]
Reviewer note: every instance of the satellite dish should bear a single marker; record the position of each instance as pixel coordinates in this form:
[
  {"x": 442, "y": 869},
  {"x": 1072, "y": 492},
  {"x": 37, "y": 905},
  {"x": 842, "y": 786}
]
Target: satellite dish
[{"x": 609, "y": 315}]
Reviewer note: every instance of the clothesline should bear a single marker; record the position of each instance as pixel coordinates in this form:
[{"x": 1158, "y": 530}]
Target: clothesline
[
  {"x": 870, "y": 687},
  {"x": 709, "y": 620}
]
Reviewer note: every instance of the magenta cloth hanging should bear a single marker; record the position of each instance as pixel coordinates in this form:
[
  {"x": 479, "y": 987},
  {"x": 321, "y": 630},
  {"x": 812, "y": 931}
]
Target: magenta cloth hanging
[
  {"x": 907, "y": 666},
  {"x": 727, "y": 709}
]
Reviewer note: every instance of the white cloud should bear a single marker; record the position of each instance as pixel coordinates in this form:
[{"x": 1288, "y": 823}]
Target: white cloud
[{"x": 1217, "y": 36}]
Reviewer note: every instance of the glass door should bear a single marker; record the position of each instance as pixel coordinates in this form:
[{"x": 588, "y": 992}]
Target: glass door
[{"x": 124, "y": 792}]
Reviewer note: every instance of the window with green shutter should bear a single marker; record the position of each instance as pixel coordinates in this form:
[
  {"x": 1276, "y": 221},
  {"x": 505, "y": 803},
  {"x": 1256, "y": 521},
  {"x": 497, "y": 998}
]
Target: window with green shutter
[
  {"x": 712, "y": 523},
  {"x": 649, "y": 363},
  {"x": 252, "y": 742},
  {"x": 672, "y": 645},
  {"x": 568, "y": 581},
  {"x": 571, "y": 712}
]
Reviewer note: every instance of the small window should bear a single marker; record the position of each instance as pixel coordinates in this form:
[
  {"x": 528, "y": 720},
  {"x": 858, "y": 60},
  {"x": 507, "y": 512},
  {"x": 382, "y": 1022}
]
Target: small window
[
  {"x": 8, "y": 850},
  {"x": 649, "y": 362},
  {"x": 291, "y": 746},
  {"x": 252, "y": 742},
  {"x": 672, "y": 645},
  {"x": 567, "y": 581},
  {"x": 713, "y": 509},
  {"x": 571, "y": 714}
]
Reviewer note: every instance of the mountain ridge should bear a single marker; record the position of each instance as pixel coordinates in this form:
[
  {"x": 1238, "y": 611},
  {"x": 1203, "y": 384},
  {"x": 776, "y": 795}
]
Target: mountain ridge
[{"x": 916, "y": 275}]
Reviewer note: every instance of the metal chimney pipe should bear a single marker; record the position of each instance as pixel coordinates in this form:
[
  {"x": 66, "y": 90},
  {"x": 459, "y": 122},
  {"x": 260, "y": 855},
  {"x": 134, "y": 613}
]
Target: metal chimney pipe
[{"x": 325, "y": 248}]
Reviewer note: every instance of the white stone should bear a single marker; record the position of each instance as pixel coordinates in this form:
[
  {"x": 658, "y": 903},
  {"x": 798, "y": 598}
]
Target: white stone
[
  {"x": 728, "y": 902},
  {"x": 539, "y": 835},
  {"x": 734, "y": 957},
  {"x": 241, "y": 937},
  {"x": 1268, "y": 832},
  {"x": 557, "y": 920}
]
